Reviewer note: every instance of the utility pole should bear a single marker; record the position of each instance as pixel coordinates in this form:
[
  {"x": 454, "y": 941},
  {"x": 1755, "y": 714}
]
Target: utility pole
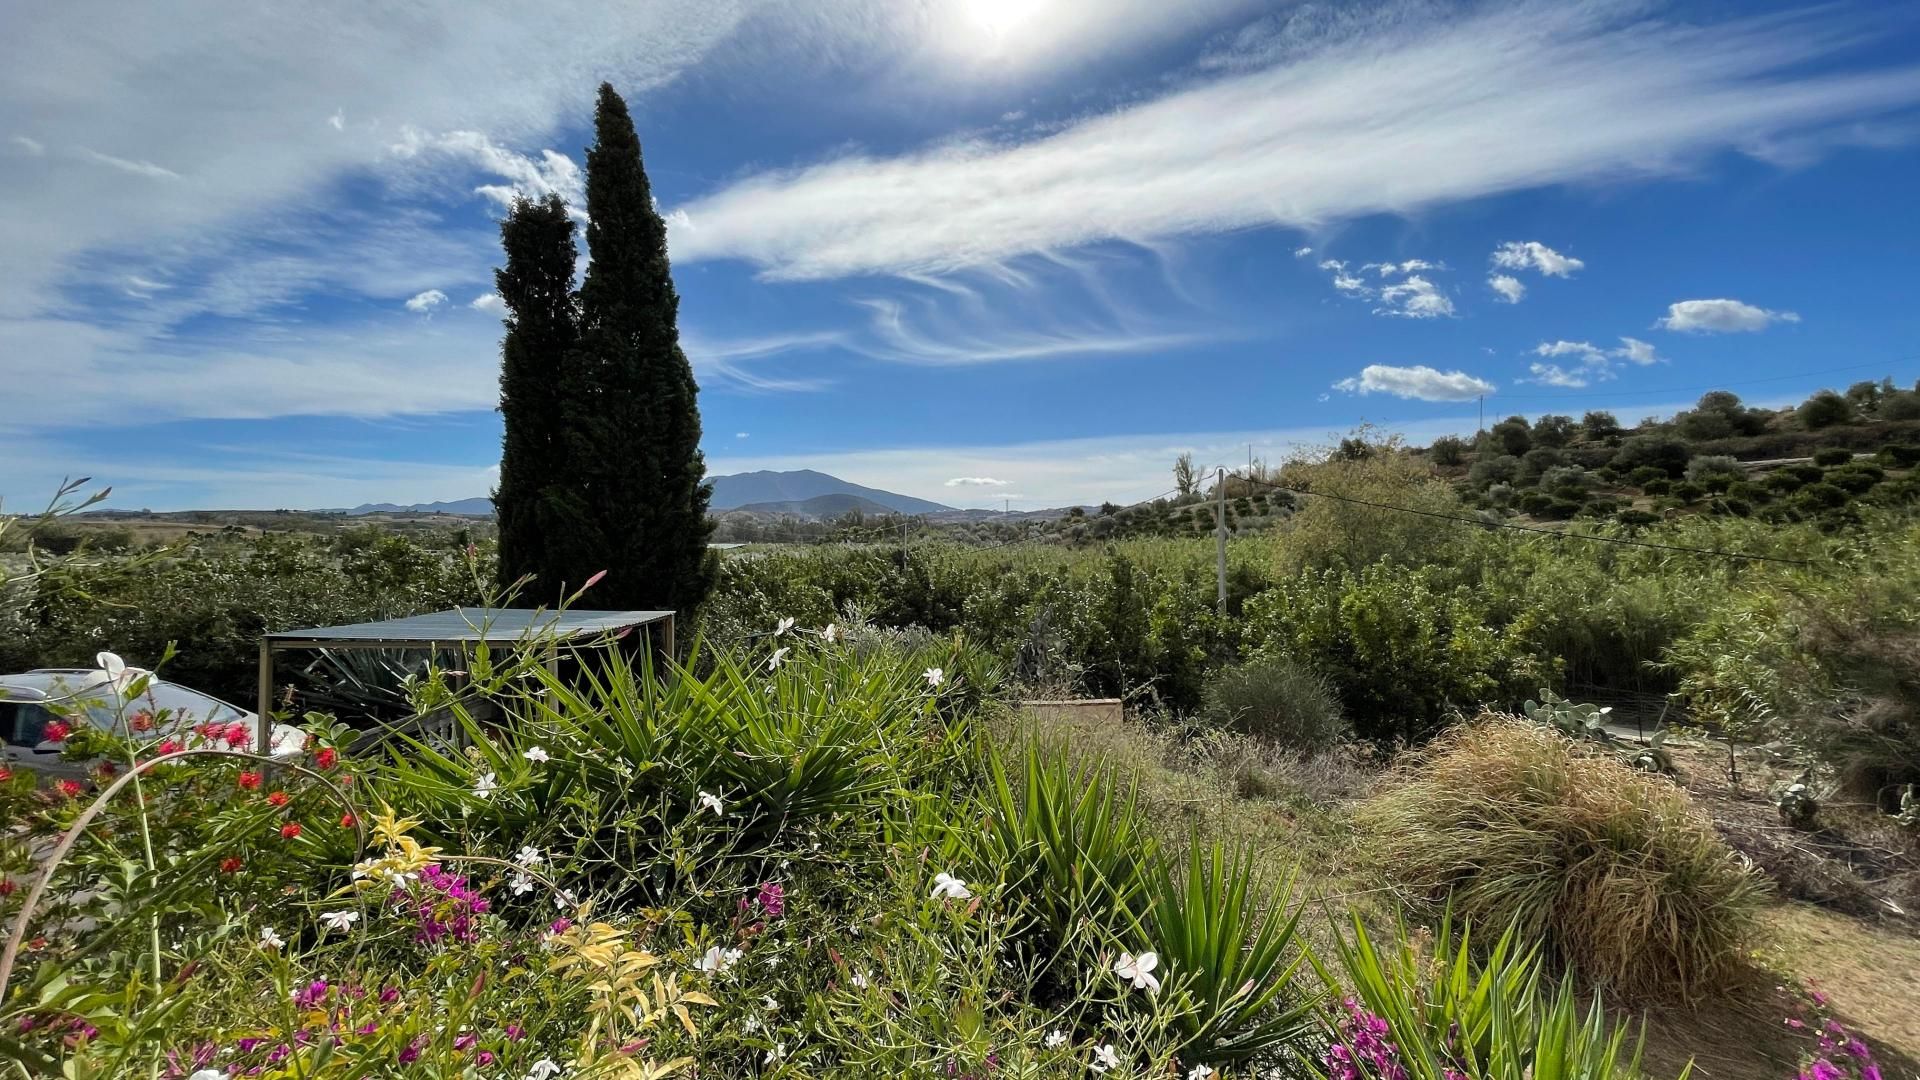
[
  {"x": 1220, "y": 535},
  {"x": 1483, "y": 414}
]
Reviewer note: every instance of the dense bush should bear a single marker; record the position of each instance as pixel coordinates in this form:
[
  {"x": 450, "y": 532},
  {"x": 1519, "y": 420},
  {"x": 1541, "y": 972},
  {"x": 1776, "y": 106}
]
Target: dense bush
[
  {"x": 1825, "y": 409},
  {"x": 1832, "y": 455},
  {"x": 1276, "y": 700},
  {"x": 1663, "y": 452},
  {"x": 1511, "y": 824}
]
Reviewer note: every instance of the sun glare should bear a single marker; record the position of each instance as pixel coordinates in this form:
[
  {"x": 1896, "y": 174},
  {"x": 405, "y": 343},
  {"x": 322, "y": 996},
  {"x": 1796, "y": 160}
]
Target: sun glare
[{"x": 999, "y": 16}]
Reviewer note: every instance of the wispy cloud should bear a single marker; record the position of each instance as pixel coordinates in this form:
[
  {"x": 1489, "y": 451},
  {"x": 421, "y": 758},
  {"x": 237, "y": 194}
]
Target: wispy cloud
[
  {"x": 977, "y": 481},
  {"x": 1510, "y": 288},
  {"x": 1418, "y": 382},
  {"x": 1720, "y": 317},
  {"x": 127, "y": 165},
  {"x": 1591, "y": 363},
  {"x": 1519, "y": 97},
  {"x": 423, "y": 303},
  {"x": 32, "y": 146}
]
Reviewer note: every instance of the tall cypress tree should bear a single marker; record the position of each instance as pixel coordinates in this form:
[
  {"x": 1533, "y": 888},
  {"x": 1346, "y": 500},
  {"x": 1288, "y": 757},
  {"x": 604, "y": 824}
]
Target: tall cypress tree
[
  {"x": 531, "y": 506},
  {"x": 630, "y": 403}
]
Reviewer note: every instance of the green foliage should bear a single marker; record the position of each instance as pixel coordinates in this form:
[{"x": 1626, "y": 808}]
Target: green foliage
[
  {"x": 1514, "y": 825},
  {"x": 1456, "y": 1012},
  {"x": 1402, "y": 645},
  {"x": 1275, "y": 700},
  {"x": 1824, "y": 409},
  {"x": 1663, "y": 452},
  {"x": 1832, "y": 455},
  {"x": 1230, "y": 947}
]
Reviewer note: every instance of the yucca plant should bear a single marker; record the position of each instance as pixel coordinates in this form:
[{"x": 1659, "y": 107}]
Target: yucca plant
[
  {"x": 1450, "y": 1013},
  {"x": 1068, "y": 846},
  {"x": 1228, "y": 944}
]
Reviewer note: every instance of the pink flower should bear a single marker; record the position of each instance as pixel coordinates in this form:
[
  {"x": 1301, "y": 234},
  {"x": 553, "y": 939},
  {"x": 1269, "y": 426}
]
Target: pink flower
[{"x": 168, "y": 746}]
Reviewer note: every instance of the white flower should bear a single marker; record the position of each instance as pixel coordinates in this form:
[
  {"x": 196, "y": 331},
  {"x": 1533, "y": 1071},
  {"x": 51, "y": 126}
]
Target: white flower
[
  {"x": 529, "y": 856},
  {"x": 831, "y": 634},
  {"x": 784, "y": 626},
  {"x": 751, "y": 1025},
  {"x": 537, "y": 754},
  {"x": 565, "y": 900},
  {"x": 717, "y": 959},
  {"x": 1056, "y": 1039},
  {"x": 484, "y": 787},
  {"x": 710, "y": 801},
  {"x": 111, "y": 663},
  {"x": 779, "y": 657},
  {"x": 1199, "y": 1072},
  {"x": 771, "y": 1005},
  {"x": 859, "y": 981},
  {"x": 270, "y": 938},
  {"x": 339, "y": 920},
  {"x": 1138, "y": 970},
  {"x": 935, "y": 676},
  {"x": 544, "y": 1069},
  {"x": 779, "y": 1051},
  {"x": 209, "y": 1074},
  {"x": 950, "y": 887},
  {"x": 1104, "y": 1058},
  {"x": 520, "y": 884}
]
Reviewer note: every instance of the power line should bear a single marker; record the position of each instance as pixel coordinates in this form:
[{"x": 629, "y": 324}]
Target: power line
[{"x": 1558, "y": 533}]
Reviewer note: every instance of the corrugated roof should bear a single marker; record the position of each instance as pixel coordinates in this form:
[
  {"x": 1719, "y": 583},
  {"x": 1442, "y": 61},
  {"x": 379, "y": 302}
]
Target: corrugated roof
[{"x": 495, "y": 625}]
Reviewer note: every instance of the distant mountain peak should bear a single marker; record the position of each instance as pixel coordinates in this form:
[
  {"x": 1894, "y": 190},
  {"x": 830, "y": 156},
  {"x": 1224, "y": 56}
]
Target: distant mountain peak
[{"x": 755, "y": 490}]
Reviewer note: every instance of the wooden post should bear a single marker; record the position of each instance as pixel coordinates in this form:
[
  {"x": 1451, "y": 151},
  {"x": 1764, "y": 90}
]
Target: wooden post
[
  {"x": 666, "y": 635},
  {"x": 264, "y": 744}
]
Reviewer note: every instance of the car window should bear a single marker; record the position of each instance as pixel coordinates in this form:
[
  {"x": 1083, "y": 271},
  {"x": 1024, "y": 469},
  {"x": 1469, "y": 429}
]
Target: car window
[
  {"x": 189, "y": 707},
  {"x": 24, "y": 724}
]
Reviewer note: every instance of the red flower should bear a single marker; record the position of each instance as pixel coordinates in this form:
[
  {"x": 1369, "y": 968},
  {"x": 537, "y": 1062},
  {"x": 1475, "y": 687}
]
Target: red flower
[
  {"x": 231, "y": 864},
  {"x": 211, "y": 730},
  {"x": 168, "y": 746},
  {"x": 250, "y": 781},
  {"x": 347, "y": 780},
  {"x": 6, "y": 887},
  {"x": 347, "y": 821},
  {"x": 106, "y": 770},
  {"x": 56, "y": 732},
  {"x": 6, "y": 774},
  {"x": 239, "y": 734},
  {"x": 279, "y": 798},
  {"x": 71, "y": 788},
  {"x": 326, "y": 757},
  {"x": 141, "y": 721},
  {"x": 290, "y": 830}
]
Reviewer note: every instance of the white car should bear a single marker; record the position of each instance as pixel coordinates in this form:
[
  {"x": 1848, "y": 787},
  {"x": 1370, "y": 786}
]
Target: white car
[{"x": 31, "y": 701}]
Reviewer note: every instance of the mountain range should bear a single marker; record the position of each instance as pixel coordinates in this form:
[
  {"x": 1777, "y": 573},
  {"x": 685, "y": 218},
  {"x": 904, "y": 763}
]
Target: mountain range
[{"x": 799, "y": 492}]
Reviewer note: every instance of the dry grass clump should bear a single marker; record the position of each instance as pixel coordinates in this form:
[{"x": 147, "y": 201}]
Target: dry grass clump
[{"x": 1610, "y": 868}]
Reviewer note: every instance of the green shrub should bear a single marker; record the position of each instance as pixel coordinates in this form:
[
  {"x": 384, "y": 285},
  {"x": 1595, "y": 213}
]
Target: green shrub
[
  {"x": 1499, "y": 469},
  {"x": 1662, "y": 452},
  {"x": 1783, "y": 482},
  {"x": 1805, "y": 473},
  {"x": 1832, "y": 455},
  {"x": 1736, "y": 506},
  {"x": 1707, "y": 466},
  {"x": 1900, "y": 405},
  {"x": 1857, "y": 478},
  {"x": 1560, "y": 509},
  {"x": 1636, "y": 519},
  {"x": 1609, "y": 868},
  {"x": 1535, "y": 503},
  {"x": 1642, "y": 475},
  {"x": 1659, "y": 485},
  {"x": 1688, "y": 491},
  {"x": 1822, "y": 496},
  {"x": 1898, "y": 455},
  {"x": 1599, "y": 506},
  {"x": 1276, "y": 700},
  {"x": 1824, "y": 409}
]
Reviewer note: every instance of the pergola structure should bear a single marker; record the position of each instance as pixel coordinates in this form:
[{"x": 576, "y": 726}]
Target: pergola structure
[{"x": 460, "y": 629}]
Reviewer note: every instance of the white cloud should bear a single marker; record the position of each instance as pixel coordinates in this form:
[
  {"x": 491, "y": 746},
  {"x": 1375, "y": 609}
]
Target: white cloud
[
  {"x": 1419, "y": 382},
  {"x": 338, "y": 121},
  {"x": 487, "y": 302},
  {"x": 553, "y": 174},
  {"x": 1720, "y": 317},
  {"x": 1636, "y": 351},
  {"x": 741, "y": 435},
  {"x": 1519, "y": 97},
  {"x": 1387, "y": 269},
  {"x": 1534, "y": 255},
  {"x": 425, "y": 302},
  {"x": 1555, "y": 375},
  {"x": 142, "y": 288},
  {"x": 1509, "y": 287},
  {"x": 977, "y": 481},
  {"x": 1584, "y": 349},
  {"x": 1302, "y": 252},
  {"x": 31, "y": 146},
  {"x": 1414, "y": 298}
]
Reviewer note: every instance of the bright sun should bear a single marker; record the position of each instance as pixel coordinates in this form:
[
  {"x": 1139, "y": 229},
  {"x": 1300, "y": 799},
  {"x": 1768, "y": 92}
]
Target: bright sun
[{"x": 999, "y": 16}]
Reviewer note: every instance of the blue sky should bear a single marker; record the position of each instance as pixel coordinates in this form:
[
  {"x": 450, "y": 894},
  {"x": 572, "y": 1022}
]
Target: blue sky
[{"x": 969, "y": 250}]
